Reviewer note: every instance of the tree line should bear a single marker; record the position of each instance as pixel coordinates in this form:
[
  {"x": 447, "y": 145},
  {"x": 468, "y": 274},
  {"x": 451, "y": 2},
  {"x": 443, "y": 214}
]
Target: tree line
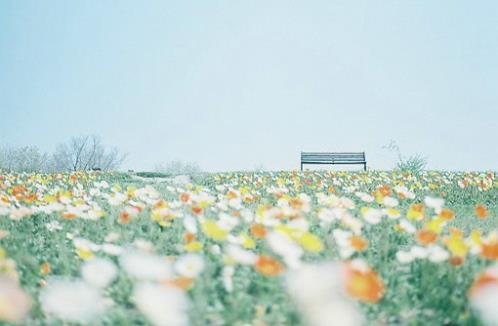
[{"x": 78, "y": 154}]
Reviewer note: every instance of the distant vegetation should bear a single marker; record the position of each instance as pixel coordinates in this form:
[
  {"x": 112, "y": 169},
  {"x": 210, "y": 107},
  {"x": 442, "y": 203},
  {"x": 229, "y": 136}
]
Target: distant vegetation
[{"x": 78, "y": 154}]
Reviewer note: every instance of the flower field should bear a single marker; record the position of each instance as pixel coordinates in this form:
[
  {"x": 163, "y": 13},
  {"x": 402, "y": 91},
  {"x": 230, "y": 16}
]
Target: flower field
[{"x": 266, "y": 248}]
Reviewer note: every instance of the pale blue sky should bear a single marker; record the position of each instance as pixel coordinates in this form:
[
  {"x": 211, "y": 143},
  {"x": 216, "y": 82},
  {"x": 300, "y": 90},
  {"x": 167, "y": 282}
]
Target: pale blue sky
[{"x": 234, "y": 84}]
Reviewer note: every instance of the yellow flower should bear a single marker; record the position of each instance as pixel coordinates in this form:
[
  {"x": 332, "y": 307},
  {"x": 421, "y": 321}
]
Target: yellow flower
[
  {"x": 415, "y": 212},
  {"x": 436, "y": 225},
  {"x": 213, "y": 231},
  {"x": 194, "y": 246},
  {"x": 393, "y": 212},
  {"x": 247, "y": 242},
  {"x": 457, "y": 246},
  {"x": 311, "y": 242},
  {"x": 475, "y": 236},
  {"x": 84, "y": 253}
]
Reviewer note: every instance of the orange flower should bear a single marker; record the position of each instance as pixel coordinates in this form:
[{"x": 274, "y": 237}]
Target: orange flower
[
  {"x": 482, "y": 280},
  {"x": 364, "y": 285},
  {"x": 447, "y": 214},
  {"x": 489, "y": 250},
  {"x": 358, "y": 243},
  {"x": 184, "y": 197},
  {"x": 385, "y": 190},
  {"x": 456, "y": 260},
  {"x": 258, "y": 231},
  {"x": 124, "y": 217},
  {"x": 45, "y": 268},
  {"x": 68, "y": 215},
  {"x": 426, "y": 237},
  {"x": 481, "y": 211},
  {"x": 268, "y": 266},
  {"x": 180, "y": 282},
  {"x": 189, "y": 237},
  {"x": 196, "y": 210}
]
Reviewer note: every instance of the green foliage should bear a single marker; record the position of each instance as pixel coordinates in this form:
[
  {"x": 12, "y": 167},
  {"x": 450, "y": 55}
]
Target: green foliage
[
  {"x": 414, "y": 164},
  {"x": 152, "y": 174}
]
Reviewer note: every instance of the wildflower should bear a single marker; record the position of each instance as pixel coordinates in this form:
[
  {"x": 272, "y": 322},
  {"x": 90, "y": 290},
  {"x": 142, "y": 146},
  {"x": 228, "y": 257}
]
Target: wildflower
[
  {"x": 363, "y": 283},
  {"x": 324, "y": 301},
  {"x": 358, "y": 243},
  {"x": 481, "y": 211},
  {"x": 447, "y": 214},
  {"x": 194, "y": 246},
  {"x": 14, "y": 302},
  {"x": 404, "y": 257},
  {"x": 483, "y": 295},
  {"x": 161, "y": 305},
  {"x": 434, "y": 203},
  {"x": 258, "y": 231},
  {"x": 311, "y": 242},
  {"x": 53, "y": 226},
  {"x": 426, "y": 237},
  {"x": 145, "y": 266},
  {"x": 99, "y": 272},
  {"x": 213, "y": 231},
  {"x": 72, "y": 301},
  {"x": 415, "y": 212},
  {"x": 227, "y": 276},
  {"x": 241, "y": 256},
  {"x": 189, "y": 265},
  {"x": 268, "y": 266},
  {"x": 45, "y": 268}
]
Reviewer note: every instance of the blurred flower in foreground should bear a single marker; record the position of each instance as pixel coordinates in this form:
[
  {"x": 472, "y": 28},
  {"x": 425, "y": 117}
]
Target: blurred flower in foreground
[
  {"x": 99, "y": 272},
  {"x": 162, "y": 305},
  {"x": 72, "y": 300},
  {"x": 323, "y": 302},
  {"x": 14, "y": 302},
  {"x": 146, "y": 266},
  {"x": 363, "y": 283},
  {"x": 483, "y": 295}
]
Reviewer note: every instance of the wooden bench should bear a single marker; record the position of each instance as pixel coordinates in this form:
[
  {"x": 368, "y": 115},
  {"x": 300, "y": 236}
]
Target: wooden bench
[{"x": 333, "y": 158}]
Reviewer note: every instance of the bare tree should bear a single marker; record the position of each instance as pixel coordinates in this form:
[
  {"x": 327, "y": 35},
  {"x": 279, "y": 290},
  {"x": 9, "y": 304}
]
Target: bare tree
[
  {"x": 24, "y": 159},
  {"x": 86, "y": 153}
]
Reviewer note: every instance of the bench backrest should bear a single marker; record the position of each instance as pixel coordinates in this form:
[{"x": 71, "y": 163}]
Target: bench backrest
[{"x": 337, "y": 158}]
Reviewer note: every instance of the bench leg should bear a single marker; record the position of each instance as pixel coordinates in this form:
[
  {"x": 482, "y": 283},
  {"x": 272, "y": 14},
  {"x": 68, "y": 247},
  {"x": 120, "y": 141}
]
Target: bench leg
[
  {"x": 301, "y": 166},
  {"x": 365, "y": 167}
]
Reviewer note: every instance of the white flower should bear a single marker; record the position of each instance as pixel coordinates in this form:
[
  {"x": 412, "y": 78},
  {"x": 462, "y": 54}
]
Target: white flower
[
  {"x": 240, "y": 255},
  {"x": 162, "y": 305},
  {"x": 112, "y": 237},
  {"x": 190, "y": 224},
  {"x": 189, "y": 265},
  {"x": 111, "y": 249},
  {"x": 404, "y": 257},
  {"x": 484, "y": 300},
  {"x": 364, "y": 196},
  {"x": 435, "y": 203},
  {"x": 72, "y": 300},
  {"x": 324, "y": 301},
  {"x": 19, "y": 213},
  {"x": 372, "y": 215},
  {"x": 53, "y": 226},
  {"x": 285, "y": 247},
  {"x": 227, "y": 275},
  {"x": 146, "y": 266},
  {"x": 419, "y": 252},
  {"x": 437, "y": 254},
  {"x": 99, "y": 272},
  {"x": 390, "y": 201},
  {"x": 407, "y": 226},
  {"x": 14, "y": 302}
]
